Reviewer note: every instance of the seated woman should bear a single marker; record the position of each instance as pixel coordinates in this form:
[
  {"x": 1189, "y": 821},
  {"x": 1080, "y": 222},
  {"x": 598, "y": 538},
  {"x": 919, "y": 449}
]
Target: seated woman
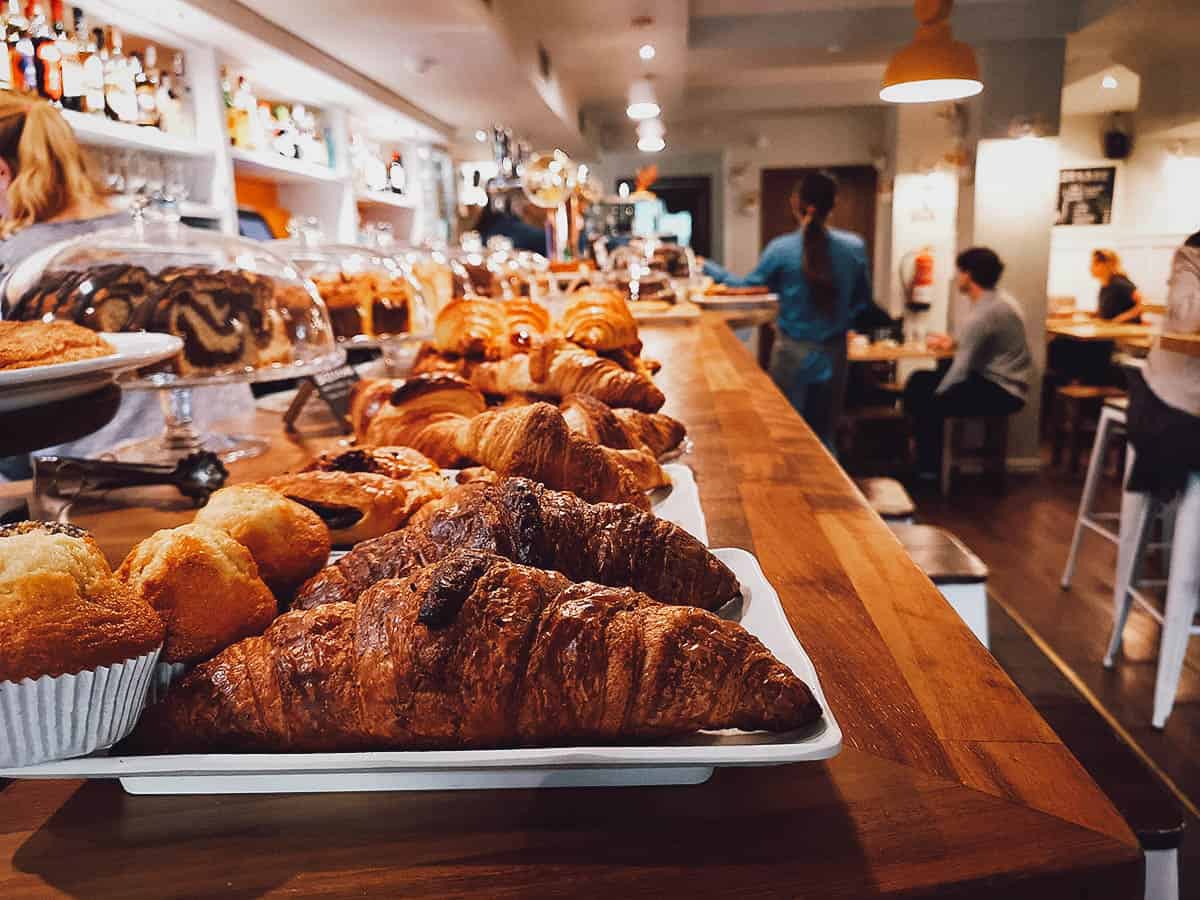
[
  {"x": 1119, "y": 300},
  {"x": 991, "y": 369},
  {"x": 1164, "y": 405}
]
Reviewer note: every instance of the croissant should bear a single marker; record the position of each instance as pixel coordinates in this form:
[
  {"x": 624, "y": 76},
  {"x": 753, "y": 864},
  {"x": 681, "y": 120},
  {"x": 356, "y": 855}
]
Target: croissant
[
  {"x": 623, "y": 429},
  {"x": 613, "y": 544},
  {"x": 657, "y": 432},
  {"x": 429, "y": 361},
  {"x": 475, "y": 651},
  {"x": 367, "y": 398},
  {"x": 557, "y": 368},
  {"x": 470, "y": 328},
  {"x": 524, "y": 322},
  {"x": 534, "y": 442},
  {"x": 599, "y": 319},
  {"x": 428, "y": 413}
]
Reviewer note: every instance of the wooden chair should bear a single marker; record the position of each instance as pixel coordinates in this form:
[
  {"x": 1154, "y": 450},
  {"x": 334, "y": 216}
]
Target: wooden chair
[
  {"x": 1076, "y": 415},
  {"x": 991, "y": 455},
  {"x": 888, "y": 498},
  {"x": 958, "y": 573}
]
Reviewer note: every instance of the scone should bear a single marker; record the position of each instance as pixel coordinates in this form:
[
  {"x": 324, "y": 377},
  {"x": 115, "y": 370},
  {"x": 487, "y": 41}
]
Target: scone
[
  {"x": 27, "y": 344},
  {"x": 289, "y": 542},
  {"x": 358, "y": 506},
  {"x": 204, "y": 584},
  {"x": 77, "y": 648}
]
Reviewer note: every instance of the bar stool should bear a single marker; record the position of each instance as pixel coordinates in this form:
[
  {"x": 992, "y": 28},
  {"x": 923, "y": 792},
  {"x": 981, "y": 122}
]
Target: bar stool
[
  {"x": 958, "y": 574},
  {"x": 1110, "y": 429},
  {"x": 888, "y": 498},
  {"x": 1075, "y": 405},
  {"x": 1183, "y": 586},
  {"x": 992, "y": 454}
]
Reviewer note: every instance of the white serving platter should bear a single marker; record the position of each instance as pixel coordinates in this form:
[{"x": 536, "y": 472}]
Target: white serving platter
[
  {"x": 38, "y": 385},
  {"x": 736, "y": 301},
  {"x": 680, "y": 503},
  {"x": 688, "y": 760}
]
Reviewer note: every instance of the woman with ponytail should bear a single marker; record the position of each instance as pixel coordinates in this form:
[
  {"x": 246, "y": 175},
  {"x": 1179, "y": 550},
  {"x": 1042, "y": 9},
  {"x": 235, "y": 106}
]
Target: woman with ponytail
[
  {"x": 48, "y": 194},
  {"x": 822, "y": 277},
  {"x": 47, "y": 190}
]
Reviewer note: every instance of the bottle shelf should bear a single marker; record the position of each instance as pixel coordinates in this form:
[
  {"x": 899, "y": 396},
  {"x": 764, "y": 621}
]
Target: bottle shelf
[
  {"x": 97, "y": 131},
  {"x": 273, "y": 167},
  {"x": 385, "y": 198}
]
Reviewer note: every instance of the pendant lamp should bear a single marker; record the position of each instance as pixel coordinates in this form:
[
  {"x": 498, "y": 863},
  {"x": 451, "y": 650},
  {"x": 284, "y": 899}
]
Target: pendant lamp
[
  {"x": 934, "y": 67},
  {"x": 651, "y": 136},
  {"x": 642, "y": 102}
]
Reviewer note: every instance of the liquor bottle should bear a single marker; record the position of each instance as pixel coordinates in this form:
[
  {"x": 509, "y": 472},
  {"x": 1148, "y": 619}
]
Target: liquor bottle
[
  {"x": 120, "y": 96},
  {"x": 47, "y": 57},
  {"x": 146, "y": 87},
  {"x": 22, "y": 65},
  {"x": 397, "y": 178},
  {"x": 72, "y": 64},
  {"x": 93, "y": 56}
]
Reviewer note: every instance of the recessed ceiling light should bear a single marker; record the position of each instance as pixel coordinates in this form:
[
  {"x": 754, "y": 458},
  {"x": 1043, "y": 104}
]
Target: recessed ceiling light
[
  {"x": 481, "y": 135},
  {"x": 646, "y": 51},
  {"x": 1109, "y": 82}
]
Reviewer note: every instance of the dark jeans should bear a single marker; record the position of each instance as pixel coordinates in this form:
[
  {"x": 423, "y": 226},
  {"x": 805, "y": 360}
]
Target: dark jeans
[
  {"x": 796, "y": 367},
  {"x": 974, "y": 397},
  {"x": 1166, "y": 443}
]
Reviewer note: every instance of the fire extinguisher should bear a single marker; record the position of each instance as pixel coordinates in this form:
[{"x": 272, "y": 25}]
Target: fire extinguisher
[{"x": 916, "y": 276}]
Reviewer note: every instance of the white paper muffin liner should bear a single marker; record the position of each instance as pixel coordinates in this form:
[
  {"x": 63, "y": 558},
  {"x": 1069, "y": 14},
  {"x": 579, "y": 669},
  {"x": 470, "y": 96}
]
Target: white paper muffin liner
[
  {"x": 59, "y": 717},
  {"x": 165, "y": 675}
]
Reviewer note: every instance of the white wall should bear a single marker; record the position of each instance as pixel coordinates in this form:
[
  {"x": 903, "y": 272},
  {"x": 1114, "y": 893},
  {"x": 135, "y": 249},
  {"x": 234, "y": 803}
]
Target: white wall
[
  {"x": 747, "y": 145},
  {"x": 1156, "y": 205}
]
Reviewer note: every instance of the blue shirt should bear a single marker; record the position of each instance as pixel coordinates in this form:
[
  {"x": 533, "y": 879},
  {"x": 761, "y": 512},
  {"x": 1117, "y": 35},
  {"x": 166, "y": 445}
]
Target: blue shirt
[{"x": 782, "y": 270}]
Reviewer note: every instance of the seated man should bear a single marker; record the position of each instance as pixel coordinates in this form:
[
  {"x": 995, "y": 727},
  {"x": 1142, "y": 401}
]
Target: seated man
[{"x": 991, "y": 369}]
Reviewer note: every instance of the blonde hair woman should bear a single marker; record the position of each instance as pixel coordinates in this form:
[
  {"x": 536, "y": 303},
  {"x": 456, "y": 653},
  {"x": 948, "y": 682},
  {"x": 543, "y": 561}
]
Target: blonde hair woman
[
  {"x": 1119, "y": 298},
  {"x": 49, "y": 193}
]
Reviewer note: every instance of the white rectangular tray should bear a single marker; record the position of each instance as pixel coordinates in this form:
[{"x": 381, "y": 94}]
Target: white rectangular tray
[
  {"x": 680, "y": 503},
  {"x": 689, "y": 760}
]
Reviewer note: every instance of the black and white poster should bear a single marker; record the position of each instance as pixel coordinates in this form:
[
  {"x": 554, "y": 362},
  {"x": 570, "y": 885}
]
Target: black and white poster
[{"x": 1085, "y": 196}]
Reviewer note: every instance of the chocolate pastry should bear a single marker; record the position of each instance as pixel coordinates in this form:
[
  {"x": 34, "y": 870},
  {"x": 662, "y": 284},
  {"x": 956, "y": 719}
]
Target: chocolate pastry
[{"x": 614, "y": 544}]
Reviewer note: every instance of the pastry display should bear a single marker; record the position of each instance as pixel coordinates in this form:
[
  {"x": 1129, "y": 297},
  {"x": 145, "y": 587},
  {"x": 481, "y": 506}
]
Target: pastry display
[
  {"x": 357, "y": 506},
  {"x": 653, "y": 286},
  {"x": 477, "y": 651},
  {"x": 613, "y": 544},
  {"x": 556, "y": 368},
  {"x": 288, "y": 541},
  {"x": 205, "y": 586},
  {"x": 369, "y": 303},
  {"x": 77, "y": 648},
  {"x": 226, "y": 318},
  {"x": 623, "y": 429},
  {"x": 61, "y": 609},
  {"x": 24, "y": 345},
  {"x": 399, "y": 463},
  {"x": 599, "y": 320},
  {"x": 425, "y": 412},
  {"x": 534, "y": 442}
]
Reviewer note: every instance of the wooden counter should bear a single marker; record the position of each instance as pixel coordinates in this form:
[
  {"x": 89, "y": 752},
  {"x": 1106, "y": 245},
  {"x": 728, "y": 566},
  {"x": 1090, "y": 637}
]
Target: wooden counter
[{"x": 949, "y": 784}]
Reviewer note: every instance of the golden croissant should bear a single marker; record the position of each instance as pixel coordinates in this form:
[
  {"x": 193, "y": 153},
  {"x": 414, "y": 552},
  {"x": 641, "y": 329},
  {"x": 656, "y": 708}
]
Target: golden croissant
[
  {"x": 599, "y": 320},
  {"x": 557, "y": 368},
  {"x": 472, "y": 652},
  {"x": 470, "y": 328},
  {"x": 623, "y": 429},
  {"x": 426, "y": 412},
  {"x": 610, "y": 543}
]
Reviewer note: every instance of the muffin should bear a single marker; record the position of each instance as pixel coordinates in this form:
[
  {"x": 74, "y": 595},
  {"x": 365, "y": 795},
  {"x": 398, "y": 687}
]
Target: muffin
[
  {"x": 78, "y": 646},
  {"x": 204, "y": 584},
  {"x": 289, "y": 542}
]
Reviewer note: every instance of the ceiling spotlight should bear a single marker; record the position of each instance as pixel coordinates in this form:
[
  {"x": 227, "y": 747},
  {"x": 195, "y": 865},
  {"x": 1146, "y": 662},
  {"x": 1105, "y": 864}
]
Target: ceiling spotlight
[
  {"x": 646, "y": 52},
  {"x": 934, "y": 67},
  {"x": 481, "y": 135},
  {"x": 642, "y": 102},
  {"x": 1108, "y": 82},
  {"x": 651, "y": 133}
]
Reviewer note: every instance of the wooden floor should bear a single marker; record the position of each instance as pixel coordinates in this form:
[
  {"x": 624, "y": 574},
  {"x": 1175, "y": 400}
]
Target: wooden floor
[{"x": 1023, "y": 537}]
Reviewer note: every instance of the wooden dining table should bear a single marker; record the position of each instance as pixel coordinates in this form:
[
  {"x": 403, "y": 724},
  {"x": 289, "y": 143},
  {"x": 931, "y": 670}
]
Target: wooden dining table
[
  {"x": 1095, "y": 330},
  {"x": 949, "y": 783},
  {"x": 890, "y": 351}
]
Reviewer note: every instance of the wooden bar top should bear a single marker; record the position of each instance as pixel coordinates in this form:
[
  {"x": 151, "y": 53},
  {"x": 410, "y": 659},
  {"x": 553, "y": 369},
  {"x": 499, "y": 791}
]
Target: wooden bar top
[{"x": 949, "y": 785}]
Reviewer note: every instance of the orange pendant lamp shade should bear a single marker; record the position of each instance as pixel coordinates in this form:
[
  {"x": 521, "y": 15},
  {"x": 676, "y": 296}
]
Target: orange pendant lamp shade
[{"x": 934, "y": 67}]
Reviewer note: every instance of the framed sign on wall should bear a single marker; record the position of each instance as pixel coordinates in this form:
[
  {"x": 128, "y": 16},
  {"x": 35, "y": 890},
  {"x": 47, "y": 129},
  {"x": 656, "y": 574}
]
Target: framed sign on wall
[{"x": 1085, "y": 195}]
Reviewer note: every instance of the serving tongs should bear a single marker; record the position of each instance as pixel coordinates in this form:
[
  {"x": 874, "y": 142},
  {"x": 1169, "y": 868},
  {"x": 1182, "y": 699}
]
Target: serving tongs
[{"x": 195, "y": 476}]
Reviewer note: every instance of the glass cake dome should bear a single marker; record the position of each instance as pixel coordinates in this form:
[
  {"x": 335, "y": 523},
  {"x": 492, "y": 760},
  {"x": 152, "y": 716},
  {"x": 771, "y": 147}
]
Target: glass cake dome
[{"x": 244, "y": 314}]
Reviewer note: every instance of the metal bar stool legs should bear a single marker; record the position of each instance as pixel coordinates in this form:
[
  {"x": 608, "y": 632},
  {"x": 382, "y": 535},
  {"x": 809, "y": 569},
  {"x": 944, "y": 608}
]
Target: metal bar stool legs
[
  {"x": 1183, "y": 593},
  {"x": 1112, "y": 426}
]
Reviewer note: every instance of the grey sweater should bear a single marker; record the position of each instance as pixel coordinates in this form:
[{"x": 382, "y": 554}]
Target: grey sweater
[
  {"x": 992, "y": 343},
  {"x": 1175, "y": 377}
]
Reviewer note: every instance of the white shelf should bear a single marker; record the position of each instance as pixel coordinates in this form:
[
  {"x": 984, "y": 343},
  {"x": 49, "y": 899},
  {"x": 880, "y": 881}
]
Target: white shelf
[
  {"x": 93, "y": 130},
  {"x": 278, "y": 168},
  {"x": 385, "y": 198},
  {"x": 188, "y": 208}
]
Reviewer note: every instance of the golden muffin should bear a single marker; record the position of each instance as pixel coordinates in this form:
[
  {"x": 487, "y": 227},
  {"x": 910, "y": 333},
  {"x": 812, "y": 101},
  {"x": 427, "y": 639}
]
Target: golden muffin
[
  {"x": 204, "y": 584},
  {"x": 61, "y": 609},
  {"x": 358, "y": 506},
  {"x": 289, "y": 542}
]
